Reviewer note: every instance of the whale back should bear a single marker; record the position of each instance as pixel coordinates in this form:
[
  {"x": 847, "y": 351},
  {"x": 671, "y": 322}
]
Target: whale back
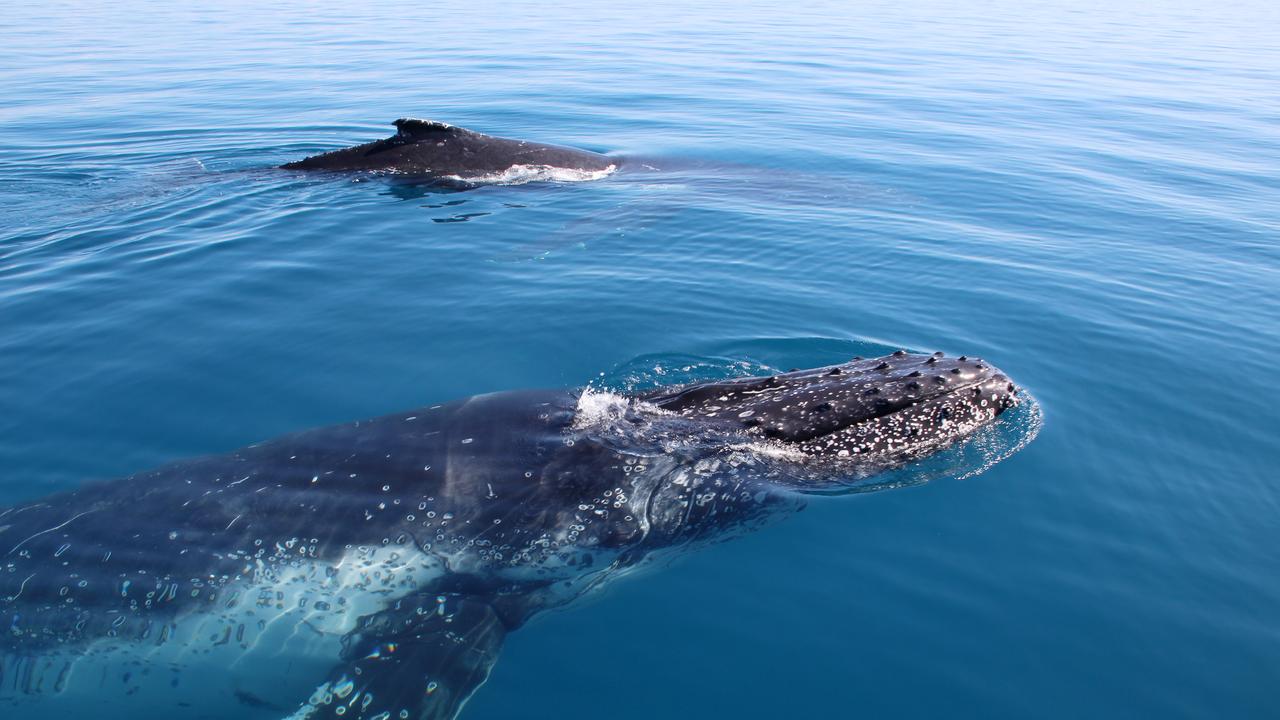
[{"x": 431, "y": 149}]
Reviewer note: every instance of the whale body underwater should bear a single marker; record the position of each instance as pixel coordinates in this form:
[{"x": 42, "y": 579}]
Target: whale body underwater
[
  {"x": 430, "y": 150},
  {"x": 372, "y": 570}
]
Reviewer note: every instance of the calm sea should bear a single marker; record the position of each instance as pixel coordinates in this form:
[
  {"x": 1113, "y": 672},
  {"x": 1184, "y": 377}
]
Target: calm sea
[{"x": 1086, "y": 194}]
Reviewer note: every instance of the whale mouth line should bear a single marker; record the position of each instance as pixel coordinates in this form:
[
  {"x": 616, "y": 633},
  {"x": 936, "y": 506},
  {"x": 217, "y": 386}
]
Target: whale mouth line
[
  {"x": 886, "y": 411},
  {"x": 858, "y": 441}
]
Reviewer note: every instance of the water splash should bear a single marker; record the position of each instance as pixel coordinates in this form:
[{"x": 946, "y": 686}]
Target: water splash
[{"x": 521, "y": 174}]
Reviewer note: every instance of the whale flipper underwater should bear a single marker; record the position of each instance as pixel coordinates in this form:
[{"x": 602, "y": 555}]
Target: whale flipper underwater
[
  {"x": 437, "y": 151},
  {"x": 372, "y": 570}
]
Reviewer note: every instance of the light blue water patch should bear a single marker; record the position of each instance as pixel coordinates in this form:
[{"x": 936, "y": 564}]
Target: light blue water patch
[{"x": 1085, "y": 195}]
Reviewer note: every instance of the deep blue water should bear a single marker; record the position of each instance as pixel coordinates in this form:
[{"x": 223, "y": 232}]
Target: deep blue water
[{"x": 1088, "y": 195}]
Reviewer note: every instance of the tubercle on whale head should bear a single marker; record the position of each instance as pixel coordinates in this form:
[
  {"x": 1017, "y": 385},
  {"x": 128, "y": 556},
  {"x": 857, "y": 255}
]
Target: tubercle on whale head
[{"x": 899, "y": 406}]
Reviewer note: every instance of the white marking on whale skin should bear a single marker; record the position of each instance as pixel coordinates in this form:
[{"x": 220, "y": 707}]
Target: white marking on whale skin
[
  {"x": 271, "y": 638},
  {"x": 770, "y": 449},
  {"x": 22, "y": 587},
  {"x": 49, "y": 530},
  {"x": 521, "y": 174}
]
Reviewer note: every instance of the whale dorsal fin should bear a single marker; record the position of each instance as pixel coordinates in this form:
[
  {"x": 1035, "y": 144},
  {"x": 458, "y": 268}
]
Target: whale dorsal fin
[{"x": 413, "y": 127}]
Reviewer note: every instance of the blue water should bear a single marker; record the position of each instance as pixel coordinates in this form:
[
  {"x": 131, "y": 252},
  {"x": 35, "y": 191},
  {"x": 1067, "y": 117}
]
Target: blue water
[{"x": 1088, "y": 195}]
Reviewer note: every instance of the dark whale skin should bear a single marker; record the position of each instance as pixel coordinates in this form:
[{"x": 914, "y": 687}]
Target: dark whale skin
[
  {"x": 429, "y": 535},
  {"x": 429, "y": 149}
]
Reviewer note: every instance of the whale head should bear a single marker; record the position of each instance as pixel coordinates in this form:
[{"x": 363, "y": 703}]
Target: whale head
[{"x": 872, "y": 413}]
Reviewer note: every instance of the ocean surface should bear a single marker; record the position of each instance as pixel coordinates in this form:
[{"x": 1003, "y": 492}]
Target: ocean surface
[{"x": 1085, "y": 194}]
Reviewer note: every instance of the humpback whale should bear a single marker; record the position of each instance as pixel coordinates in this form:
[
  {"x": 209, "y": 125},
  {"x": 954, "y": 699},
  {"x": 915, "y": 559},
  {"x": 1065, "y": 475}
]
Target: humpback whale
[
  {"x": 438, "y": 151},
  {"x": 373, "y": 570}
]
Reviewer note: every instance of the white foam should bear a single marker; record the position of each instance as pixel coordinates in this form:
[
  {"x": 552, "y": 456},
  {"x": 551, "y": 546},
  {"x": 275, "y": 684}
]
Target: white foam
[
  {"x": 521, "y": 174},
  {"x": 597, "y": 408},
  {"x": 992, "y": 448}
]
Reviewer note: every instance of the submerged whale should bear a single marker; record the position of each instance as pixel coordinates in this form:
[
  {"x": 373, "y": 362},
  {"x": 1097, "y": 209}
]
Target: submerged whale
[
  {"x": 434, "y": 150},
  {"x": 373, "y": 570}
]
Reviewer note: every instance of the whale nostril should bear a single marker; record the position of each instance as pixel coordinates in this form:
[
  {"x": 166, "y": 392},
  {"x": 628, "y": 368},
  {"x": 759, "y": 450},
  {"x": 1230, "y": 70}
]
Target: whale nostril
[
  {"x": 931, "y": 361},
  {"x": 835, "y": 371},
  {"x": 914, "y": 373},
  {"x": 980, "y": 366},
  {"x": 883, "y": 366},
  {"x": 856, "y": 358},
  {"x": 939, "y": 379},
  {"x": 955, "y": 371},
  {"x": 938, "y": 354},
  {"x": 899, "y": 353},
  {"x": 963, "y": 358}
]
